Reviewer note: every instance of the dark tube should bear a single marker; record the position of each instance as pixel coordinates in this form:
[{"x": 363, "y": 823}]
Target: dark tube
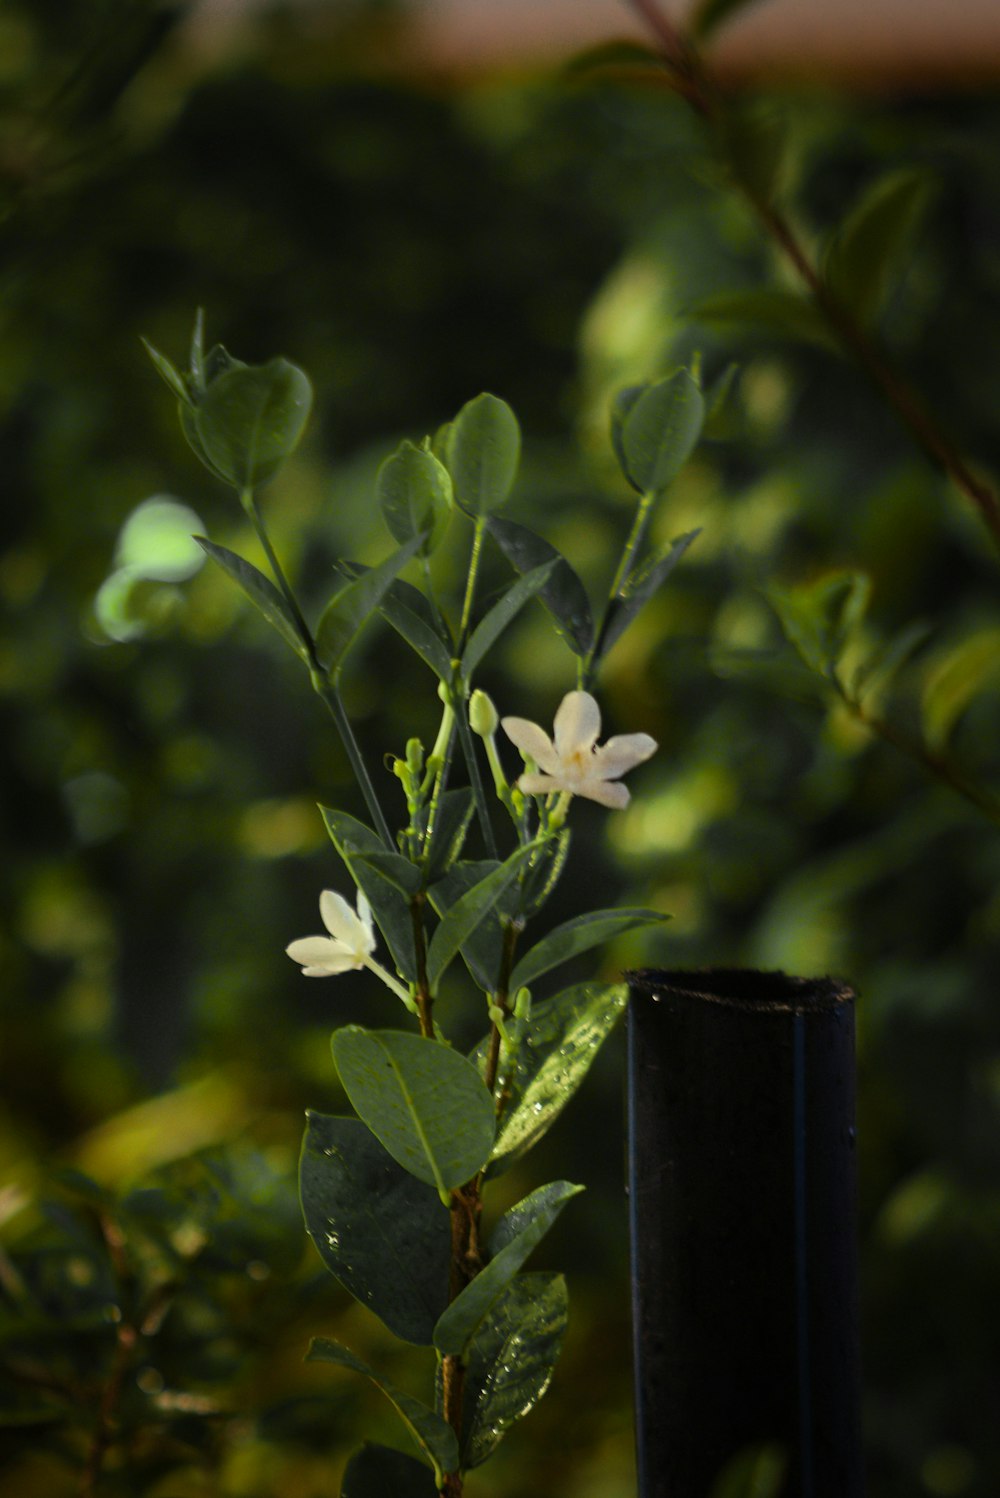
[{"x": 743, "y": 1222}]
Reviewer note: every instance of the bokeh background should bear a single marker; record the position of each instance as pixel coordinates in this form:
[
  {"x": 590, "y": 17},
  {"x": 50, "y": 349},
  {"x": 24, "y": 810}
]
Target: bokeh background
[{"x": 413, "y": 223}]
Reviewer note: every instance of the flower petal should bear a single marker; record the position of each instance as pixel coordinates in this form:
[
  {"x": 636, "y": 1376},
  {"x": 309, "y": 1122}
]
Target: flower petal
[
  {"x": 338, "y": 917},
  {"x": 540, "y": 785},
  {"x": 622, "y": 753},
  {"x": 577, "y": 724},
  {"x": 606, "y": 792},
  {"x": 532, "y": 741},
  {"x": 322, "y": 951}
]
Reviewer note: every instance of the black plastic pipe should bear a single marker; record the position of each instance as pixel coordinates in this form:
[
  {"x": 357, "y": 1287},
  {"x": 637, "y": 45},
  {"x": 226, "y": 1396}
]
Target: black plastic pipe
[{"x": 743, "y": 1222}]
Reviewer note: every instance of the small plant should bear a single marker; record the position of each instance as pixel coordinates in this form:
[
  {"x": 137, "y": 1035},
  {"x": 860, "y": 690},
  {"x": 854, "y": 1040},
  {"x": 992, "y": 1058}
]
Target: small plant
[{"x": 394, "y": 1198}]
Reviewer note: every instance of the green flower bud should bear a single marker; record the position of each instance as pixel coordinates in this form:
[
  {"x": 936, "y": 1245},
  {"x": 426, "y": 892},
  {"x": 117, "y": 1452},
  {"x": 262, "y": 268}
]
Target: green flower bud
[{"x": 483, "y": 716}]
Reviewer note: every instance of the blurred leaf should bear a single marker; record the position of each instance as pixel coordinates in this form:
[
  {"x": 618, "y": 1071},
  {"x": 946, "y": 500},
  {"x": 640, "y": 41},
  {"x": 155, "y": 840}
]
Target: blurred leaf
[
  {"x": 722, "y": 416},
  {"x": 484, "y": 448},
  {"x": 250, "y": 419},
  {"x": 435, "y": 1438},
  {"x": 864, "y": 256},
  {"x": 819, "y": 617},
  {"x": 622, "y": 57},
  {"x": 562, "y": 1037},
  {"x": 708, "y": 16},
  {"x": 468, "y": 912},
  {"x": 350, "y": 609},
  {"x": 512, "y": 1360},
  {"x": 621, "y": 404},
  {"x": 563, "y": 595},
  {"x": 660, "y": 431},
  {"x": 414, "y": 490},
  {"x": 758, "y": 1472},
  {"x": 956, "y": 681},
  {"x": 877, "y": 672},
  {"x": 384, "y": 1234},
  {"x": 168, "y": 374},
  {"x": 515, "y": 1237},
  {"x": 755, "y": 139},
  {"x": 260, "y": 591},
  {"x": 380, "y": 1472},
  {"x": 389, "y": 906},
  {"x": 492, "y": 625},
  {"x": 482, "y": 949},
  {"x": 639, "y": 587},
  {"x": 580, "y": 934},
  {"x": 769, "y": 310},
  {"x": 425, "y": 1102}
]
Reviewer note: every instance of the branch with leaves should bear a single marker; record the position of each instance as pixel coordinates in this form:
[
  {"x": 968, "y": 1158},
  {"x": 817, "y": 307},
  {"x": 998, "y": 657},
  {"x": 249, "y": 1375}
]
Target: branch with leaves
[{"x": 395, "y": 1197}]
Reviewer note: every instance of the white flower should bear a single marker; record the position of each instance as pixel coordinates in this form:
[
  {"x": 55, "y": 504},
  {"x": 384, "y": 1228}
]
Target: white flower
[
  {"x": 349, "y": 945},
  {"x": 570, "y": 760}
]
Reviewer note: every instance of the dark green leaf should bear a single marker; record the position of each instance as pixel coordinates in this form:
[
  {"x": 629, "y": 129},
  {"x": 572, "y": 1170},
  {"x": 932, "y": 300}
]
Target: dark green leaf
[
  {"x": 517, "y": 1234},
  {"x": 250, "y": 419},
  {"x": 384, "y": 1234},
  {"x": 512, "y": 1360},
  {"x": 435, "y": 1438},
  {"x": 350, "y": 609},
  {"x": 640, "y": 587},
  {"x": 454, "y": 813},
  {"x": 877, "y": 672},
  {"x": 425, "y": 1102},
  {"x": 492, "y": 625},
  {"x": 389, "y": 906},
  {"x": 260, "y": 591},
  {"x": 544, "y": 871},
  {"x": 462, "y": 919},
  {"x": 580, "y": 934},
  {"x": 563, "y": 595},
  {"x": 484, "y": 447},
  {"x": 380, "y": 1472},
  {"x": 414, "y": 490},
  {"x": 865, "y": 255},
  {"x": 722, "y": 416},
  {"x": 406, "y": 876},
  {"x": 562, "y": 1038},
  {"x": 769, "y": 310},
  {"x": 754, "y": 139},
  {"x": 620, "y": 407},
  {"x": 411, "y": 615},
  {"x": 660, "y": 431},
  {"x": 483, "y": 949}
]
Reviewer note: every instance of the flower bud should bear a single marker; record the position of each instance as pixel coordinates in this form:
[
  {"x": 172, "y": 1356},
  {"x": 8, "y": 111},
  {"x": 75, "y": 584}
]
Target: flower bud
[{"x": 483, "y": 716}]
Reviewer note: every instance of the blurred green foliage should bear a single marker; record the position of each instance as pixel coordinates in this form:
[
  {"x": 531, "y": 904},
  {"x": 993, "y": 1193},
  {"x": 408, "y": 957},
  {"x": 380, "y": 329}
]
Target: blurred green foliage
[{"x": 410, "y": 244}]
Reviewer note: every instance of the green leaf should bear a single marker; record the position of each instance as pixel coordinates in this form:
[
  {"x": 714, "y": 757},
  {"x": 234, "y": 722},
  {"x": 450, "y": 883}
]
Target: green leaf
[
  {"x": 563, "y": 595},
  {"x": 580, "y": 934},
  {"x": 544, "y": 872},
  {"x": 865, "y": 254},
  {"x": 425, "y": 1102},
  {"x": 754, "y": 138},
  {"x": 708, "y": 16},
  {"x": 435, "y": 1438},
  {"x": 414, "y": 490},
  {"x": 562, "y": 1038},
  {"x": 819, "y": 617},
  {"x": 621, "y": 405},
  {"x": 758, "y": 1472},
  {"x": 483, "y": 948},
  {"x": 250, "y": 420},
  {"x": 640, "y": 587},
  {"x": 406, "y": 876},
  {"x": 484, "y": 448},
  {"x": 660, "y": 431},
  {"x": 380, "y": 1472},
  {"x": 721, "y": 409},
  {"x": 411, "y": 615},
  {"x": 454, "y": 813},
  {"x": 492, "y": 625},
  {"x": 876, "y": 673},
  {"x": 260, "y": 591},
  {"x": 384, "y": 1234},
  {"x": 512, "y": 1360},
  {"x": 461, "y": 920},
  {"x": 516, "y": 1235},
  {"x": 350, "y": 609},
  {"x": 769, "y": 310},
  {"x": 955, "y": 681},
  {"x": 389, "y": 906},
  {"x": 167, "y": 372}
]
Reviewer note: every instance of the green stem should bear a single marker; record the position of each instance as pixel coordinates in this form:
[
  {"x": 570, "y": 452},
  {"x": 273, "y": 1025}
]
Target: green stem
[
  {"x": 633, "y": 541},
  {"x": 470, "y": 585},
  {"x": 472, "y": 765}
]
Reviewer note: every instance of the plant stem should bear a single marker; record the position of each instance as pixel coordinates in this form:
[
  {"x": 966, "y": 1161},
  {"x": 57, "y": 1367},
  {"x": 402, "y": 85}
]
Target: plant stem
[
  {"x": 632, "y": 543},
  {"x": 425, "y": 1001},
  {"x": 472, "y": 765},
  {"x": 470, "y": 583},
  {"x": 691, "y": 79},
  {"x": 939, "y": 765}
]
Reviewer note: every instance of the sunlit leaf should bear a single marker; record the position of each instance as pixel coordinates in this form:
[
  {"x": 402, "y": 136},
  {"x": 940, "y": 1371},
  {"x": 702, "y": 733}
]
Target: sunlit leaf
[{"x": 580, "y": 934}]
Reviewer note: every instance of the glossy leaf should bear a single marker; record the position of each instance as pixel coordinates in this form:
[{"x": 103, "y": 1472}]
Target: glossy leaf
[
  {"x": 562, "y": 1037},
  {"x": 250, "y": 419},
  {"x": 468, "y": 912},
  {"x": 492, "y": 625},
  {"x": 483, "y": 450},
  {"x": 260, "y": 591},
  {"x": 819, "y": 617},
  {"x": 516, "y": 1236},
  {"x": 354, "y": 604},
  {"x": 390, "y": 906},
  {"x": 563, "y": 595},
  {"x": 426, "y": 1103},
  {"x": 580, "y": 934},
  {"x": 865, "y": 255},
  {"x": 414, "y": 491},
  {"x": 436, "y": 1439},
  {"x": 454, "y": 813},
  {"x": 482, "y": 949},
  {"x": 512, "y": 1360},
  {"x": 380, "y": 1472},
  {"x": 660, "y": 431},
  {"x": 769, "y": 310},
  {"x": 640, "y": 587},
  {"x": 411, "y": 616},
  {"x": 384, "y": 1234}
]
